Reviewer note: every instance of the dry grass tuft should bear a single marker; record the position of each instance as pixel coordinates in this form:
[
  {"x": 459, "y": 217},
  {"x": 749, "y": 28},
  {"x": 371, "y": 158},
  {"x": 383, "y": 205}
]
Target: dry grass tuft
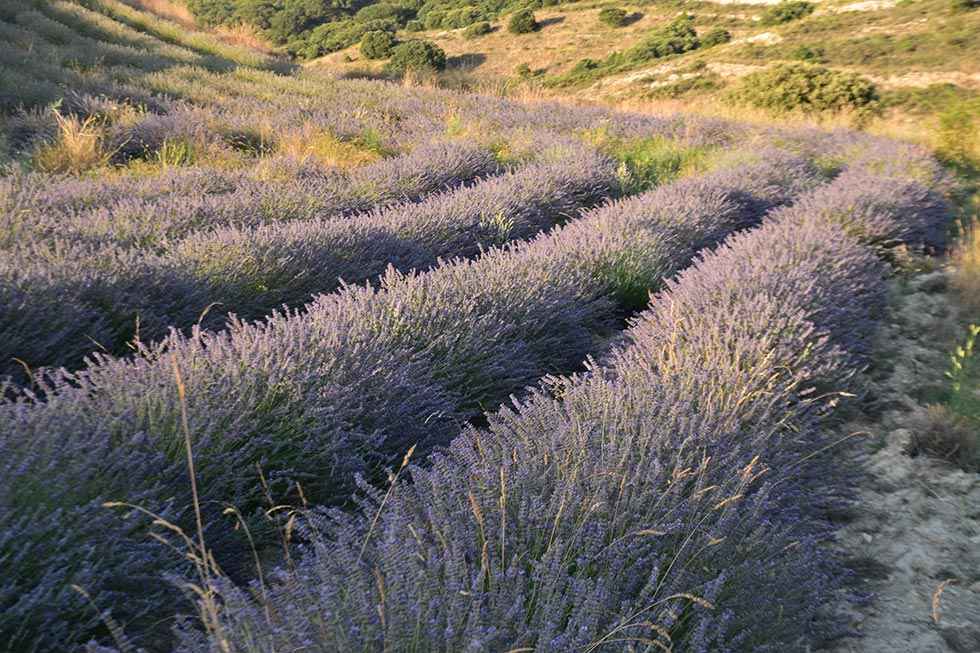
[
  {"x": 77, "y": 147},
  {"x": 966, "y": 274},
  {"x": 245, "y": 36},
  {"x": 177, "y": 12},
  {"x": 940, "y": 432},
  {"x": 328, "y": 150}
]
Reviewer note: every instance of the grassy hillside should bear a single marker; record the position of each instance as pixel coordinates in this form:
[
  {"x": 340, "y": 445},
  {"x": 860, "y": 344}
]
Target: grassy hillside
[
  {"x": 919, "y": 56},
  {"x": 293, "y": 359}
]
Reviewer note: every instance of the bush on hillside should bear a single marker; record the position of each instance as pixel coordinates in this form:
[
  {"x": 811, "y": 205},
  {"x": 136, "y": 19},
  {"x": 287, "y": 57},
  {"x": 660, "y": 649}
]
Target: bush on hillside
[
  {"x": 414, "y": 26},
  {"x": 378, "y": 44},
  {"x": 523, "y": 22},
  {"x": 786, "y": 11},
  {"x": 677, "y": 37},
  {"x": 716, "y": 36},
  {"x": 212, "y": 13},
  {"x": 613, "y": 17},
  {"x": 417, "y": 55},
  {"x": 338, "y": 35},
  {"x": 477, "y": 29},
  {"x": 256, "y": 12},
  {"x": 807, "y": 88},
  {"x": 811, "y": 54},
  {"x": 957, "y": 6}
]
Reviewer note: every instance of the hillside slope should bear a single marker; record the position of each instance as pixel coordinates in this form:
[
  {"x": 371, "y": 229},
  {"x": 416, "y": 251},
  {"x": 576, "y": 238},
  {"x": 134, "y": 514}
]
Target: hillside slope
[{"x": 290, "y": 360}]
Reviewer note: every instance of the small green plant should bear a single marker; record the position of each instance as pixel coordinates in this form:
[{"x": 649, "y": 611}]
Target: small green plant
[
  {"x": 786, "y": 12},
  {"x": 613, "y": 17},
  {"x": 477, "y": 30},
  {"x": 809, "y": 54},
  {"x": 716, "y": 36},
  {"x": 174, "y": 153},
  {"x": 523, "y": 71},
  {"x": 523, "y": 22},
  {"x": 648, "y": 162},
  {"x": 414, "y": 26},
  {"x": 810, "y": 89},
  {"x": 378, "y": 44},
  {"x": 418, "y": 56},
  {"x": 961, "y": 359}
]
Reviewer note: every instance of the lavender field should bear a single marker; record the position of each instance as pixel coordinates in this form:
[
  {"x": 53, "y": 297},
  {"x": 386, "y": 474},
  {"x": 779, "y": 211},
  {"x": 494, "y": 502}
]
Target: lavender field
[{"x": 290, "y": 362}]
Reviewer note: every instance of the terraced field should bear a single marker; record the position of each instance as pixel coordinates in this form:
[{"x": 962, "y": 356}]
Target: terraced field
[{"x": 290, "y": 362}]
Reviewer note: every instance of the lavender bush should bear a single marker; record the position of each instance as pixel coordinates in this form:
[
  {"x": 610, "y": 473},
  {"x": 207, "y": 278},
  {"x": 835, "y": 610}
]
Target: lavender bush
[
  {"x": 115, "y": 293},
  {"x": 672, "y": 496},
  {"x": 349, "y": 384}
]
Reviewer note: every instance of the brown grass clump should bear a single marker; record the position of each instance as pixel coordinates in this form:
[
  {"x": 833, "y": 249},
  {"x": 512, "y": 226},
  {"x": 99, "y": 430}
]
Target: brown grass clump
[
  {"x": 328, "y": 149},
  {"x": 966, "y": 274},
  {"x": 245, "y": 36},
  {"x": 174, "y": 11},
  {"x": 939, "y": 432},
  {"x": 78, "y": 147}
]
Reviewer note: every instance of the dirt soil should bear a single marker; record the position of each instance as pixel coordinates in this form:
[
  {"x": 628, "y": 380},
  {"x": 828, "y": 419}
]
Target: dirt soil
[{"x": 914, "y": 536}]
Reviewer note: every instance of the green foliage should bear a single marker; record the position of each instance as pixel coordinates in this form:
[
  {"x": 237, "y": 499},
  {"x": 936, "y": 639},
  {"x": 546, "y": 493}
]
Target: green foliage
[
  {"x": 522, "y": 22},
  {"x": 960, "y": 6},
  {"x": 613, "y": 17},
  {"x": 417, "y": 55},
  {"x": 378, "y": 44},
  {"x": 716, "y": 36},
  {"x": 649, "y": 162},
  {"x": 806, "y": 88},
  {"x": 682, "y": 87},
  {"x": 414, "y": 26},
  {"x": 677, "y": 37},
  {"x": 786, "y": 12},
  {"x": 212, "y": 12},
  {"x": 809, "y": 54},
  {"x": 257, "y": 12},
  {"x": 477, "y": 30},
  {"x": 957, "y": 134},
  {"x": 338, "y": 35}
]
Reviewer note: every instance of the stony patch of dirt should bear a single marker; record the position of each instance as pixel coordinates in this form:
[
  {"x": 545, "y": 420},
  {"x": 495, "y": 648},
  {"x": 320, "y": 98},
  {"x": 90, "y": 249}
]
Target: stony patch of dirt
[{"x": 913, "y": 539}]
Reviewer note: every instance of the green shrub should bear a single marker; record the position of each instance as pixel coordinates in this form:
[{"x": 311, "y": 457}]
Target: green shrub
[
  {"x": 379, "y": 11},
  {"x": 959, "y": 124},
  {"x": 212, "y": 13},
  {"x": 417, "y": 55},
  {"x": 377, "y": 44},
  {"x": 522, "y": 22},
  {"x": 959, "y": 6},
  {"x": 786, "y": 11},
  {"x": 414, "y": 26},
  {"x": 477, "y": 29},
  {"x": 338, "y": 35},
  {"x": 613, "y": 17},
  {"x": 523, "y": 71},
  {"x": 716, "y": 36},
  {"x": 807, "y": 88},
  {"x": 809, "y": 54},
  {"x": 462, "y": 17},
  {"x": 677, "y": 37}
]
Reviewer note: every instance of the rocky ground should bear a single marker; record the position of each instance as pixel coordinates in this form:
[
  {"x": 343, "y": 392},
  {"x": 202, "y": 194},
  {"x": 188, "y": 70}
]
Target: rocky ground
[{"x": 914, "y": 536}]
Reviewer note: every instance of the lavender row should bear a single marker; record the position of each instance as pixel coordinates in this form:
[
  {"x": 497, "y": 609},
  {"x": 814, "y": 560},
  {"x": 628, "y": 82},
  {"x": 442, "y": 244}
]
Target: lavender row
[
  {"x": 318, "y": 397},
  {"x": 149, "y": 213},
  {"x": 119, "y": 294},
  {"x": 676, "y": 496}
]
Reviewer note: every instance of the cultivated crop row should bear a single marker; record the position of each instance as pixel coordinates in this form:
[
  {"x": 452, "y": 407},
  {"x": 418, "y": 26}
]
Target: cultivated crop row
[
  {"x": 675, "y": 498},
  {"x": 341, "y": 388},
  {"x": 82, "y": 279}
]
